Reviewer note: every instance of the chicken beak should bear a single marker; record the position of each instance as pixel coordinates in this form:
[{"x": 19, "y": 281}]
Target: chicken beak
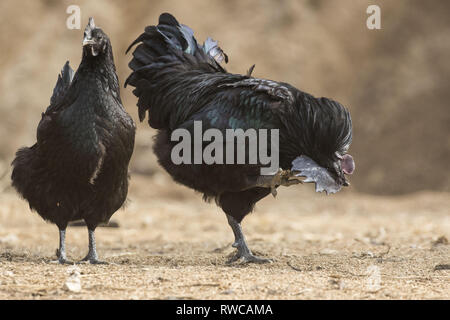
[{"x": 87, "y": 42}]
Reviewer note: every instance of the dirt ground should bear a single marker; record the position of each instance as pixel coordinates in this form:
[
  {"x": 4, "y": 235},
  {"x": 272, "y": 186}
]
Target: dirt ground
[{"x": 172, "y": 245}]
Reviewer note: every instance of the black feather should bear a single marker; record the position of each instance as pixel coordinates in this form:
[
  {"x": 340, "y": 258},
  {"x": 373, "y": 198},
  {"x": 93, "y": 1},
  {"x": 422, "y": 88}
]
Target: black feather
[
  {"x": 179, "y": 86},
  {"x": 78, "y": 168},
  {"x": 63, "y": 83}
]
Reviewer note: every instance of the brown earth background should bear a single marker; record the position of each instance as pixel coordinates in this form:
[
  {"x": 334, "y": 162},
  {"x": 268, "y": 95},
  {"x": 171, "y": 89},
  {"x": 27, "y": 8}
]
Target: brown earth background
[{"x": 395, "y": 82}]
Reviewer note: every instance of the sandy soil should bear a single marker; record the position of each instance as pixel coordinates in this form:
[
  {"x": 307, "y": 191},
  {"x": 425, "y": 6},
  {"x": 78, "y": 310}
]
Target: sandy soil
[{"x": 170, "y": 244}]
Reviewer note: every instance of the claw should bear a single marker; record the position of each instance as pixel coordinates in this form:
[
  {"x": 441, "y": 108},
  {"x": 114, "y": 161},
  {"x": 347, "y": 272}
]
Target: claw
[
  {"x": 92, "y": 260},
  {"x": 248, "y": 258},
  {"x": 283, "y": 178},
  {"x": 64, "y": 261}
]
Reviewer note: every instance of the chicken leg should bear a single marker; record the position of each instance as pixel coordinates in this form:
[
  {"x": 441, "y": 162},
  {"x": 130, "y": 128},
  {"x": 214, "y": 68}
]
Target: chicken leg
[
  {"x": 243, "y": 252},
  {"x": 61, "y": 252},
  {"x": 92, "y": 256}
]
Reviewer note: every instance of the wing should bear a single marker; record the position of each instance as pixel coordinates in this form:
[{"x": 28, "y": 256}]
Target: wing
[
  {"x": 247, "y": 103},
  {"x": 47, "y": 126}
]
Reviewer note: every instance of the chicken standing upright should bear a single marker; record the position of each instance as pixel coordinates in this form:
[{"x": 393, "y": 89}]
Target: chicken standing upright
[
  {"x": 78, "y": 168},
  {"x": 181, "y": 83}
]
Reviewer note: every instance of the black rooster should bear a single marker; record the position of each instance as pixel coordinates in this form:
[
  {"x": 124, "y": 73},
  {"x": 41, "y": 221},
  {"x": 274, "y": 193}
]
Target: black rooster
[
  {"x": 179, "y": 82},
  {"x": 78, "y": 169}
]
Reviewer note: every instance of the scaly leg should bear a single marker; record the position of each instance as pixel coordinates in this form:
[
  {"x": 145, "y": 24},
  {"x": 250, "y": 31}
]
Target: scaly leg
[
  {"x": 61, "y": 252},
  {"x": 243, "y": 251},
  {"x": 92, "y": 256}
]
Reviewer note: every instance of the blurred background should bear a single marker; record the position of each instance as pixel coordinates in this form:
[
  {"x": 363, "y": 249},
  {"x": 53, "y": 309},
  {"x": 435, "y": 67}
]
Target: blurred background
[{"x": 395, "y": 81}]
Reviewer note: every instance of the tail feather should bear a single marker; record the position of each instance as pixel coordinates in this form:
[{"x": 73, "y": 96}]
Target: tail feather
[
  {"x": 212, "y": 48},
  {"x": 168, "y": 19},
  {"x": 170, "y": 37},
  {"x": 167, "y": 35},
  {"x": 62, "y": 84},
  {"x": 178, "y": 35},
  {"x": 163, "y": 51}
]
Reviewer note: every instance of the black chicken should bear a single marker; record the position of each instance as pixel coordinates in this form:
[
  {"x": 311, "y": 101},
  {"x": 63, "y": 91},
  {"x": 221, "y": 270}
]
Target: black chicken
[
  {"x": 179, "y": 82},
  {"x": 78, "y": 169}
]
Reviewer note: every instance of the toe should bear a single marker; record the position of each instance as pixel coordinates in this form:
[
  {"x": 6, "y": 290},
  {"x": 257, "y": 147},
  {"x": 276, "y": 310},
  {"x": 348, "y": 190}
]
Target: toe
[
  {"x": 233, "y": 259},
  {"x": 255, "y": 259},
  {"x": 248, "y": 258},
  {"x": 95, "y": 261},
  {"x": 64, "y": 261}
]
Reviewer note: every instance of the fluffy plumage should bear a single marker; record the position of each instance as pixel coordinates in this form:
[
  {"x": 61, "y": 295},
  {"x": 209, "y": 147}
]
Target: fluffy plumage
[
  {"x": 177, "y": 81},
  {"x": 78, "y": 168}
]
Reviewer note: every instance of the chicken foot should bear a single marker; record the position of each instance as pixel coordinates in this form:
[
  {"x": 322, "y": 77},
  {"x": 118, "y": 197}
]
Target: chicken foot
[
  {"x": 92, "y": 256},
  {"x": 282, "y": 178},
  {"x": 243, "y": 254}
]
